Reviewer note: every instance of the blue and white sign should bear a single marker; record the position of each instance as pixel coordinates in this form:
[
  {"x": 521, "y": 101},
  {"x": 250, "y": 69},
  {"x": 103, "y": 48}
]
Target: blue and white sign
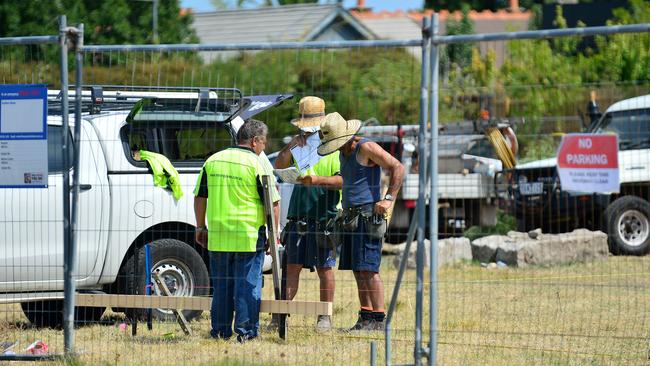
[{"x": 23, "y": 136}]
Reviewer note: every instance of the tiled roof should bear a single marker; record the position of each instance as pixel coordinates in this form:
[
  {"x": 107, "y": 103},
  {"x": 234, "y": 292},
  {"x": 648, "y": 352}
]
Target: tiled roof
[
  {"x": 267, "y": 24},
  {"x": 394, "y": 25}
]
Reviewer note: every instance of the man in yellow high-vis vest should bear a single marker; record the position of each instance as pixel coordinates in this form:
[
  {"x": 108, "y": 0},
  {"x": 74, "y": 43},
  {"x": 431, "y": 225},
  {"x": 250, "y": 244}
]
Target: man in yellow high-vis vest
[{"x": 229, "y": 195}]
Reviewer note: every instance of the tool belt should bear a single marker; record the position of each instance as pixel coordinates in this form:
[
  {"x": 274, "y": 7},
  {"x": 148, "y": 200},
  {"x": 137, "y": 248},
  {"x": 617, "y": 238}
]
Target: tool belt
[
  {"x": 327, "y": 233},
  {"x": 375, "y": 224}
]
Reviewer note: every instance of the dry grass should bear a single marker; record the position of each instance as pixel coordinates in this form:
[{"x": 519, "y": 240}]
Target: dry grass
[{"x": 596, "y": 313}]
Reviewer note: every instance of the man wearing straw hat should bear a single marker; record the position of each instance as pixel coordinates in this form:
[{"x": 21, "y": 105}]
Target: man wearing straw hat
[
  {"x": 364, "y": 210},
  {"x": 313, "y": 203}
]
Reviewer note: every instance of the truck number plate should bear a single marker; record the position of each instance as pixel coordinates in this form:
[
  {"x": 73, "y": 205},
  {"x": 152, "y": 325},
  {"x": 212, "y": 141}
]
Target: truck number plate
[{"x": 529, "y": 189}]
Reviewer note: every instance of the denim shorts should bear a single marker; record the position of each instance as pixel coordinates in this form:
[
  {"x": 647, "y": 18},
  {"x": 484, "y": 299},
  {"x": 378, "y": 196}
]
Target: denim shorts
[
  {"x": 302, "y": 249},
  {"x": 359, "y": 252}
]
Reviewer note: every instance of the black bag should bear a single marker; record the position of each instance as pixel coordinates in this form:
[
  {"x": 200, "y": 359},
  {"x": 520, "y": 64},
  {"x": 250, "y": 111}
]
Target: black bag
[
  {"x": 329, "y": 234},
  {"x": 350, "y": 221},
  {"x": 375, "y": 226}
]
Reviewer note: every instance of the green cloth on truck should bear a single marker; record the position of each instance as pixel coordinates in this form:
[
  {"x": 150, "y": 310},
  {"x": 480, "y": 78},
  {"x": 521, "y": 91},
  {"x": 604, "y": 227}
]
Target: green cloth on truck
[
  {"x": 316, "y": 203},
  {"x": 235, "y": 206},
  {"x": 164, "y": 173}
]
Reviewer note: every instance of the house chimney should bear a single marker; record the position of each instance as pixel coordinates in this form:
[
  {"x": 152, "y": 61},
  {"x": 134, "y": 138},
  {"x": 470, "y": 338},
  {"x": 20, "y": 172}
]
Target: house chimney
[{"x": 514, "y": 6}]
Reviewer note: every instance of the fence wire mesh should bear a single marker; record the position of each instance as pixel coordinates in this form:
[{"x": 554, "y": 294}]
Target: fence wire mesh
[
  {"x": 557, "y": 295},
  {"x": 566, "y": 300},
  {"x": 31, "y": 220}
]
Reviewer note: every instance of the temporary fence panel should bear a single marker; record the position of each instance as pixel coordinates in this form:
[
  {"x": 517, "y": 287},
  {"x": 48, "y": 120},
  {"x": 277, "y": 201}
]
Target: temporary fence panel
[
  {"x": 574, "y": 291},
  {"x": 34, "y": 171},
  {"x": 376, "y": 82},
  {"x": 539, "y": 298}
]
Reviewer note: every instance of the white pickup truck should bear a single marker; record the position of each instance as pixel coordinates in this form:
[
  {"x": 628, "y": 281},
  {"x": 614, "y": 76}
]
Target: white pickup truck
[
  {"x": 540, "y": 202},
  {"x": 119, "y": 208}
]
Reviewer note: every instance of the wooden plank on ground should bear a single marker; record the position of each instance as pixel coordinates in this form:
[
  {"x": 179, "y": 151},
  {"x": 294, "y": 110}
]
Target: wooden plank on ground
[
  {"x": 179, "y": 314},
  {"x": 198, "y": 303}
]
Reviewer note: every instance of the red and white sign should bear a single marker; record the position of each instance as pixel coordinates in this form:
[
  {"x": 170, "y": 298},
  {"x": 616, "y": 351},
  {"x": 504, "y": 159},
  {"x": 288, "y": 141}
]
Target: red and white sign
[{"x": 589, "y": 163}]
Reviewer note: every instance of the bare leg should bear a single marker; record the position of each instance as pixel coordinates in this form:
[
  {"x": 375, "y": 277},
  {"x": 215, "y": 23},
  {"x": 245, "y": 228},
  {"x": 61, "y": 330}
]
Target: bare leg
[
  {"x": 364, "y": 290},
  {"x": 293, "y": 280},
  {"x": 374, "y": 289},
  {"x": 327, "y": 284}
]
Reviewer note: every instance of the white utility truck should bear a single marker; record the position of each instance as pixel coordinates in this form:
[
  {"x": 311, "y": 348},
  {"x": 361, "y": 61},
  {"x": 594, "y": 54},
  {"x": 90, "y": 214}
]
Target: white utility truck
[{"x": 119, "y": 208}]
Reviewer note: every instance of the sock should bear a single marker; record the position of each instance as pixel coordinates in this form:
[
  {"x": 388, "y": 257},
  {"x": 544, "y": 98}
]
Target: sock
[
  {"x": 378, "y": 316},
  {"x": 365, "y": 314}
]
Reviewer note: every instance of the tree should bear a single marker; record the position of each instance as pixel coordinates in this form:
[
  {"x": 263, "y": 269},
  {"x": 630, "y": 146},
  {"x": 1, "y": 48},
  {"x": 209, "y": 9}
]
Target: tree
[
  {"x": 106, "y": 22},
  {"x": 460, "y": 54}
]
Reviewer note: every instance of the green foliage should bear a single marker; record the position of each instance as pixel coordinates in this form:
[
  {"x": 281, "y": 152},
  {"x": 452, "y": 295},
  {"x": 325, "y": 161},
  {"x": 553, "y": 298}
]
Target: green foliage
[
  {"x": 542, "y": 147},
  {"x": 106, "y": 22},
  {"x": 459, "y": 54},
  {"x": 380, "y": 83},
  {"x": 504, "y": 224}
]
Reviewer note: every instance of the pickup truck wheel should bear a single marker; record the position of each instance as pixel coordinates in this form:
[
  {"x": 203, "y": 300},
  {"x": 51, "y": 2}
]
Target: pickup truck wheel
[
  {"x": 49, "y": 313},
  {"x": 179, "y": 265},
  {"x": 628, "y": 225}
]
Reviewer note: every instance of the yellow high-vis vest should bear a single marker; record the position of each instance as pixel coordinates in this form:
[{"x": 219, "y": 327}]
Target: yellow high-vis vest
[{"x": 235, "y": 209}]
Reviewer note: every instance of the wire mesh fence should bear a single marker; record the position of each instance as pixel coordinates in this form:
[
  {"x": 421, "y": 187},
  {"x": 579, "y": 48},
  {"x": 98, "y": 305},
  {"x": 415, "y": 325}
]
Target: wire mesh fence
[
  {"x": 31, "y": 220},
  {"x": 568, "y": 301}
]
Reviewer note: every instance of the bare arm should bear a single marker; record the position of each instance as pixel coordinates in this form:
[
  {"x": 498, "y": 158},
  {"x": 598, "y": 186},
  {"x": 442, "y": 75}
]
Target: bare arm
[
  {"x": 334, "y": 182},
  {"x": 284, "y": 158},
  {"x": 276, "y": 216},
  {"x": 201, "y": 233},
  {"x": 372, "y": 152},
  {"x": 395, "y": 170}
]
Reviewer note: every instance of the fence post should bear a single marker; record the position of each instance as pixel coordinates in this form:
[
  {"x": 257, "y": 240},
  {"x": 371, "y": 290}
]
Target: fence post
[
  {"x": 433, "y": 196},
  {"x": 421, "y": 203},
  {"x": 68, "y": 281}
]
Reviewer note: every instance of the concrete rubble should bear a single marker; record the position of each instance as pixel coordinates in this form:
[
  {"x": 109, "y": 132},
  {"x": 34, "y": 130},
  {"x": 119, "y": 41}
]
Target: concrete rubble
[
  {"x": 450, "y": 251},
  {"x": 534, "y": 248}
]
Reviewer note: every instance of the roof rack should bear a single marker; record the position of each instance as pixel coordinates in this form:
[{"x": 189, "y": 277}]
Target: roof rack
[{"x": 98, "y": 98}]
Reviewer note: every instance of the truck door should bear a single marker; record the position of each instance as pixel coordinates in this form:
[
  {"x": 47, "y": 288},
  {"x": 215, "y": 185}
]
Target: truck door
[{"x": 31, "y": 222}]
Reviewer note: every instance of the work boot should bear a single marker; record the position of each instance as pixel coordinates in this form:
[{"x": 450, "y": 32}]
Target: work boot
[
  {"x": 245, "y": 338},
  {"x": 324, "y": 323},
  {"x": 365, "y": 317},
  {"x": 378, "y": 321},
  {"x": 378, "y": 325}
]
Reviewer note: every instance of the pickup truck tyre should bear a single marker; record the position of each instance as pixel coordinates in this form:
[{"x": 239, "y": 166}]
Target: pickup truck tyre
[
  {"x": 179, "y": 265},
  {"x": 627, "y": 222},
  {"x": 49, "y": 313}
]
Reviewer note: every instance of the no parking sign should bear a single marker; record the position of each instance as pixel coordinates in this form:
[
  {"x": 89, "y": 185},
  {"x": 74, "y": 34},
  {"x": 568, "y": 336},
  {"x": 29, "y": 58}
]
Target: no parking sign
[{"x": 589, "y": 163}]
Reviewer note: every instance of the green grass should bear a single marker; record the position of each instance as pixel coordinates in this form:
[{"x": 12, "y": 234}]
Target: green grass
[{"x": 595, "y": 313}]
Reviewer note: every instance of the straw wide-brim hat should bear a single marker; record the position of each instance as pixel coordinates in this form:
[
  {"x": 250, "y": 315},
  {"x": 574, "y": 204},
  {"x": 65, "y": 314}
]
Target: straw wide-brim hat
[
  {"x": 336, "y": 132},
  {"x": 312, "y": 113}
]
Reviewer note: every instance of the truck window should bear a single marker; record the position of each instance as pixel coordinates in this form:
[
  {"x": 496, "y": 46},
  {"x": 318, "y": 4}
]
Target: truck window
[
  {"x": 180, "y": 144},
  {"x": 54, "y": 151},
  {"x": 632, "y": 128}
]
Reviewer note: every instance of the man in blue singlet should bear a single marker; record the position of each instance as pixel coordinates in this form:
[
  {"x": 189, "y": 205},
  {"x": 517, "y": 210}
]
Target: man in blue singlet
[{"x": 364, "y": 223}]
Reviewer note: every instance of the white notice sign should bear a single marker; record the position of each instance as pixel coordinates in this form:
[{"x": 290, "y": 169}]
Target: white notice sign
[
  {"x": 23, "y": 136},
  {"x": 589, "y": 163}
]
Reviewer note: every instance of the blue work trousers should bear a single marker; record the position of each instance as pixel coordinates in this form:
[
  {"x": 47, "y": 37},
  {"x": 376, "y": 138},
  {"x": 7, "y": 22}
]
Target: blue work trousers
[{"x": 237, "y": 285}]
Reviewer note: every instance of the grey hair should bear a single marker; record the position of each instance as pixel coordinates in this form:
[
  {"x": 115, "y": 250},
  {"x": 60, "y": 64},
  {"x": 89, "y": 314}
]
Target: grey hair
[{"x": 250, "y": 129}]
